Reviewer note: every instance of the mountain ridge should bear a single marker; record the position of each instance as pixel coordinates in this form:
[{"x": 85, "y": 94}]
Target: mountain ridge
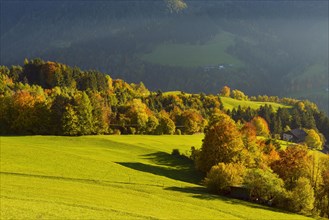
[{"x": 282, "y": 43}]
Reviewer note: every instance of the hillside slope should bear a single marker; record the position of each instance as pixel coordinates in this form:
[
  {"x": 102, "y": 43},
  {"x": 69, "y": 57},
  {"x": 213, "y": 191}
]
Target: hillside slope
[
  {"x": 276, "y": 47},
  {"x": 117, "y": 177},
  {"x": 230, "y": 103}
]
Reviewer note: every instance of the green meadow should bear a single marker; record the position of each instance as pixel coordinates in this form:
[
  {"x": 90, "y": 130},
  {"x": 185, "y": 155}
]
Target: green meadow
[
  {"x": 194, "y": 55},
  {"x": 230, "y": 103},
  {"x": 111, "y": 177}
]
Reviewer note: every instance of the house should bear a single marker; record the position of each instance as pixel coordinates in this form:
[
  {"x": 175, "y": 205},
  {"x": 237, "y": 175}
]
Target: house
[{"x": 294, "y": 135}]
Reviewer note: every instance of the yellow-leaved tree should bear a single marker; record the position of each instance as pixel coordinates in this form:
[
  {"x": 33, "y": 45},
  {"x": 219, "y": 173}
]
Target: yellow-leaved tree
[
  {"x": 222, "y": 143},
  {"x": 313, "y": 140},
  {"x": 261, "y": 126}
]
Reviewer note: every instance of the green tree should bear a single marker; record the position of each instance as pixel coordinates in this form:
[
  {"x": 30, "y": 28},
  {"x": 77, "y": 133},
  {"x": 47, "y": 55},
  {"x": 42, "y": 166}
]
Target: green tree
[
  {"x": 237, "y": 94},
  {"x": 166, "y": 125},
  {"x": 57, "y": 109},
  {"x": 101, "y": 113},
  {"x": 138, "y": 114},
  {"x": 302, "y": 196},
  {"x": 70, "y": 122},
  {"x": 152, "y": 125},
  {"x": 313, "y": 140},
  {"x": 323, "y": 191},
  {"x": 84, "y": 111},
  {"x": 222, "y": 175},
  {"x": 264, "y": 185},
  {"x": 191, "y": 121}
]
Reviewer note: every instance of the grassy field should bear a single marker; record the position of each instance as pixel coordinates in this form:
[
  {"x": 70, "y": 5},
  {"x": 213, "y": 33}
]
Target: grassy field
[
  {"x": 188, "y": 55},
  {"x": 111, "y": 177},
  {"x": 230, "y": 103}
]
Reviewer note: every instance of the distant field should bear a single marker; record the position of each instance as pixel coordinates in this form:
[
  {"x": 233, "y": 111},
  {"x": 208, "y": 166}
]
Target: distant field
[
  {"x": 188, "y": 55},
  {"x": 230, "y": 103},
  {"x": 110, "y": 177},
  {"x": 175, "y": 93}
]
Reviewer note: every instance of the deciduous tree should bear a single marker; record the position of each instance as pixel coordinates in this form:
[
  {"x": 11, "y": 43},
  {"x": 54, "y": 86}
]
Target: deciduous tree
[
  {"x": 313, "y": 140},
  {"x": 294, "y": 162},
  {"x": 261, "y": 126},
  {"x": 222, "y": 175},
  {"x": 226, "y": 91},
  {"x": 222, "y": 143}
]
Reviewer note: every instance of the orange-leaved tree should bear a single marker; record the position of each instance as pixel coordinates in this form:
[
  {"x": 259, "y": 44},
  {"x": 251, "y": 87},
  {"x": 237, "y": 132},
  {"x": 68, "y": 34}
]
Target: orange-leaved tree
[{"x": 222, "y": 143}]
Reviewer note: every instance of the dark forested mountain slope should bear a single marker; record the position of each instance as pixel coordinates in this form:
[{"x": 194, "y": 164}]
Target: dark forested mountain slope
[{"x": 272, "y": 47}]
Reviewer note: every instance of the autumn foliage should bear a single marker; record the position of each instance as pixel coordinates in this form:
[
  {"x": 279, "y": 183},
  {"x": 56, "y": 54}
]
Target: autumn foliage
[{"x": 239, "y": 147}]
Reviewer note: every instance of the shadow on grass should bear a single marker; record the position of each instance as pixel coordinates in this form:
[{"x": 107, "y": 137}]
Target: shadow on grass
[
  {"x": 167, "y": 165},
  {"x": 165, "y": 159},
  {"x": 202, "y": 193}
]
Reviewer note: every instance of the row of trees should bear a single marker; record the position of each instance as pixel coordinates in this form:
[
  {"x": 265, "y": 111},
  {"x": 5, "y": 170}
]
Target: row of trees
[
  {"x": 52, "y": 98},
  {"x": 293, "y": 178}
]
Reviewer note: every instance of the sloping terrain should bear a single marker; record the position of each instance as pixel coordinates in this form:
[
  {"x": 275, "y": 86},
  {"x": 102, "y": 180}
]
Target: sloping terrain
[
  {"x": 230, "y": 103},
  {"x": 275, "y": 47},
  {"x": 116, "y": 177}
]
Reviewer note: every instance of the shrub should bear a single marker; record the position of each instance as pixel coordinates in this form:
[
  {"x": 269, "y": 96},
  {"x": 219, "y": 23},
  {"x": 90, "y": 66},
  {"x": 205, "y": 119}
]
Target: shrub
[
  {"x": 302, "y": 196},
  {"x": 221, "y": 176},
  {"x": 116, "y": 132},
  {"x": 264, "y": 185},
  {"x": 175, "y": 152}
]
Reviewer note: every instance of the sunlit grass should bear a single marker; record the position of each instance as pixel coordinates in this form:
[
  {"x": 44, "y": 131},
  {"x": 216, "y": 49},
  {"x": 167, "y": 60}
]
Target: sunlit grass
[
  {"x": 111, "y": 177},
  {"x": 230, "y": 103}
]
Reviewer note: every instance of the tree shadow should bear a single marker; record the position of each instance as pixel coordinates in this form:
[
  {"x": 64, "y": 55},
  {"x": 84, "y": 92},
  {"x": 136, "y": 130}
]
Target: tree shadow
[
  {"x": 165, "y": 159},
  {"x": 171, "y": 166},
  {"x": 202, "y": 193}
]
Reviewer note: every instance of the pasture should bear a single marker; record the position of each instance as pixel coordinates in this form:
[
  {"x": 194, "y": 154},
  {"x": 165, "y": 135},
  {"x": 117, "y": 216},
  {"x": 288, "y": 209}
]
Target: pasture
[
  {"x": 195, "y": 55},
  {"x": 111, "y": 177},
  {"x": 230, "y": 103}
]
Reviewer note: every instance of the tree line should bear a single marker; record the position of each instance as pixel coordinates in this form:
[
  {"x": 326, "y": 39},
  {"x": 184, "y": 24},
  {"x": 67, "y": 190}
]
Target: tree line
[
  {"x": 240, "y": 145},
  {"x": 234, "y": 155},
  {"x": 55, "y": 99}
]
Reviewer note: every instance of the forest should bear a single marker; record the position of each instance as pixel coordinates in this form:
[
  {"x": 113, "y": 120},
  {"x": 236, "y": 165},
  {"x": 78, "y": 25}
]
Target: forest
[
  {"x": 241, "y": 146},
  {"x": 131, "y": 109},
  {"x": 52, "y": 98},
  {"x": 276, "y": 47}
]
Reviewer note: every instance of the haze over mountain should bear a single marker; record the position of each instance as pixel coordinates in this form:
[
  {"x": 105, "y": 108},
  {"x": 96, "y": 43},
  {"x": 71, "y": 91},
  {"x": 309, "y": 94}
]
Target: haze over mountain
[{"x": 261, "y": 47}]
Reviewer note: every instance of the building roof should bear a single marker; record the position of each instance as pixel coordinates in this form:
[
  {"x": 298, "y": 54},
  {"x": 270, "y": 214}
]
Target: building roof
[{"x": 298, "y": 133}]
